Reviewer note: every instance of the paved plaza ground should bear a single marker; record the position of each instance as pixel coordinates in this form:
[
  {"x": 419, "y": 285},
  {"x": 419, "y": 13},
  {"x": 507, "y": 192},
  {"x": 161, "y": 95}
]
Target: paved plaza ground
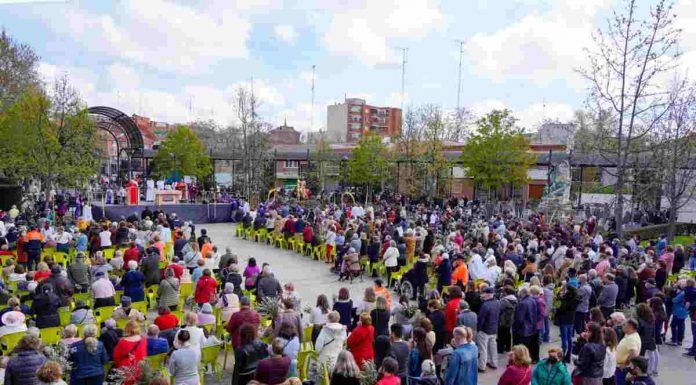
[{"x": 312, "y": 278}]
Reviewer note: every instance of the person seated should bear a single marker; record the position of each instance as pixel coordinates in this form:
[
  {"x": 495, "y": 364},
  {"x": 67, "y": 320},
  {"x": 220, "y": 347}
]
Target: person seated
[
  {"x": 9, "y": 266},
  {"x": 45, "y": 307},
  {"x": 110, "y": 335},
  {"x": 155, "y": 343},
  {"x": 206, "y": 316},
  {"x": 196, "y": 333},
  {"x": 70, "y": 335},
  {"x": 13, "y": 304},
  {"x": 126, "y": 311},
  {"x": 42, "y": 272},
  {"x": 103, "y": 291},
  {"x": 117, "y": 261},
  {"x": 132, "y": 282},
  {"x": 274, "y": 369},
  {"x": 13, "y": 322},
  {"x": 228, "y": 301},
  {"x": 19, "y": 274},
  {"x": 166, "y": 320},
  {"x": 82, "y": 314}
]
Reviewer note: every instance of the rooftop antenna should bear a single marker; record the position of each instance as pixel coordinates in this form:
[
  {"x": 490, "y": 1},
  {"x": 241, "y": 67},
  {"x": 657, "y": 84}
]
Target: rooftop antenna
[
  {"x": 311, "y": 118},
  {"x": 459, "y": 77},
  {"x": 404, "y": 51}
]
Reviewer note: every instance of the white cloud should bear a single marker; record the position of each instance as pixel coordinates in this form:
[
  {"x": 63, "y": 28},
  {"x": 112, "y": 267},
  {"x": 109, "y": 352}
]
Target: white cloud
[
  {"x": 530, "y": 116},
  {"x": 541, "y": 47},
  {"x": 123, "y": 77},
  {"x": 286, "y": 33},
  {"x": 365, "y": 30},
  {"x": 158, "y": 33}
]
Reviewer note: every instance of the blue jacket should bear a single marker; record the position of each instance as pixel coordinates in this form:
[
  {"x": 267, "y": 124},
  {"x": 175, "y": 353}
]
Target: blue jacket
[
  {"x": 132, "y": 283},
  {"x": 679, "y": 310},
  {"x": 157, "y": 346},
  {"x": 488, "y": 316},
  {"x": 86, "y": 364},
  {"x": 444, "y": 273},
  {"x": 462, "y": 368},
  {"x": 525, "y": 320},
  {"x": 21, "y": 369}
]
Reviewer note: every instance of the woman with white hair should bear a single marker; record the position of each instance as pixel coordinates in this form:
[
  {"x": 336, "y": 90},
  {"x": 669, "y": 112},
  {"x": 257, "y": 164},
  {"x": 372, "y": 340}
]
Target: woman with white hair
[
  {"x": 229, "y": 302},
  {"x": 493, "y": 271},
  {"x": 391, "y": 259},
  {"x": 477, "y": 270},
  {"x": 88, "y": 357},
  {"x": 132, "y": 282},
  {"x": 117, "y": 261}
]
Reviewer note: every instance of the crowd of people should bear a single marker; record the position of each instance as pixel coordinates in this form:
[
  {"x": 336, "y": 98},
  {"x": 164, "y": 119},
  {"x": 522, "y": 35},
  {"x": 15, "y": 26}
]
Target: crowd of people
[{"x": 481, "y": 285}]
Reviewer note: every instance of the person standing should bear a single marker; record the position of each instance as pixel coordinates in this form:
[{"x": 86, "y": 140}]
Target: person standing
[
  {"x": 360, "y": 340},
  {"x": 462, "y": 366},
  {"x": 628, "y": 348},
  {"x": 551, "y": 370},
  {"x": 508, "y": 305},
  {"x": 590, "y": 362},
  {"x": 487, "y": 326},
  {"x": 525, "y": 322},
  {"x": 183, "y": 362},
  {"x": 582, "y": 310},
  {"x": 88, "y": 357},
  {"x": 519, "y": 369},
  {"x": 565, "y": 315},
  {"x": 607, "y": 297}
]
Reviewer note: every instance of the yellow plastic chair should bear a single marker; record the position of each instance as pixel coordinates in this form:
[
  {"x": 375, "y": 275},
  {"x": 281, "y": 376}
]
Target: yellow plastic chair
[
  {"x": 210, "y": 328},
  {"x": 108, "y": 253},
  {"x": 261, "y": 235},
  {"x": 303, "y": 359},
  {"x": 186, "y": 289},
  {"x": 86, "y": 297},
  {"x": 307, "y": 338},
  {"x": 228, "y": 349},
  {"x": 51, "y": 336},
  {"x": 151, "y": 295},
  {"x": 121, "y": 322},
  {"x": 81, "y": 328},
  {"x": 209, "y": 356},
  {"x": 140, "y": 306},
  {"x": 12, "y": 286},
  {"x": 180, "y": 315},
  {"x": 280, "y": 242},
  {"x": 157, "y": 363},
  {"x": 104, "y": 313},
  {"x": 64, "y": 315},
  {"x": 239, "y": 230},
  {"x": 118, "y": 295},
  {"x": 9, "y": 341},
  {"x": 61, "y": 258}
]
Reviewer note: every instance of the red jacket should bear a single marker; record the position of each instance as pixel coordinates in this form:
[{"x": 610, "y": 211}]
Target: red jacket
[
  {"x": 307, "y": 234},
  {"x": 360, "y": 344},
  {"x": 132, "y": 254},
  {"x": 389, "y": 379},
  {"x": 515, "y": 375},
  {"x": 178, "y": 270},
  {"x": 451, "y": 314},
  {"x": 243, "y": 316},
  {"x": 205, "y": 289},
  {"x": 167, "y": 321}
]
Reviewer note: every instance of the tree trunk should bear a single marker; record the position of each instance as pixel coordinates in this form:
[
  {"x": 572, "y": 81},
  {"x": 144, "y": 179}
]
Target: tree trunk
[{"x": 618, "y": 210}]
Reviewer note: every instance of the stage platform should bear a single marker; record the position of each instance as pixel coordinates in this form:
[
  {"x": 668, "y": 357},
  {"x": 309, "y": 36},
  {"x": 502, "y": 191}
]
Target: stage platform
[{"x": 192, "y": 212}]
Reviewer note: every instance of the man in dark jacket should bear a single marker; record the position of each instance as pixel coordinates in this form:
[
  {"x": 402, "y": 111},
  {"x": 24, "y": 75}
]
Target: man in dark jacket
[
  {"x": 62, "y": 286},
  {"x": 444, "y": 273},
  {"x": 78, "y": 273},
  {"x": 508, "y": 304},
  {"x": 204, "y": 236},
  {"x": 267, "y": 285},
  {"x": 149, "y": 266},
  {"x": 524, "y": 323},
  {"x": 487, "y": 325},
  {"x": 179, "y": 244},
  {"x": 399, "y": 350}
]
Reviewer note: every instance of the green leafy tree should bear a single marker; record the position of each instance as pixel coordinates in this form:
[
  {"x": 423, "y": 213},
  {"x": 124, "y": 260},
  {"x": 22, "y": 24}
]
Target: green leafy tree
[
  {"x": 18, "y": 69},
  {"x": 49, "y": 137},
  {"x": 497, "y": 153},
  {"x": 368, "y": 165},
  {"x": 182, "y": 153}
]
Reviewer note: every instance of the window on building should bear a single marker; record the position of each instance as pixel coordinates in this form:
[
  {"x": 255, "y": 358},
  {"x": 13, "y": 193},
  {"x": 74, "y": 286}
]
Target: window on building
[{"x": 291, "y": 164}]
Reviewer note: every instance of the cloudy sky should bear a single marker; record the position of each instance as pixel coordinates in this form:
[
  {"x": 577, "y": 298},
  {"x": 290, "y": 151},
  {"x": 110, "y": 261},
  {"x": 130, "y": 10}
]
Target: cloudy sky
[{"x": 181, "y": 61}]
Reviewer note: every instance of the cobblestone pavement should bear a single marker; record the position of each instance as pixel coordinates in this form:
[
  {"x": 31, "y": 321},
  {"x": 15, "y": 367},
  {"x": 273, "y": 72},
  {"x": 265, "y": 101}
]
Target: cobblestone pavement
[{"x": 312, "y": 278}]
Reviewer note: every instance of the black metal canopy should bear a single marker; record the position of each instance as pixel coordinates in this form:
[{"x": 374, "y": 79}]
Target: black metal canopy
[{"x": 113, "y": 119}]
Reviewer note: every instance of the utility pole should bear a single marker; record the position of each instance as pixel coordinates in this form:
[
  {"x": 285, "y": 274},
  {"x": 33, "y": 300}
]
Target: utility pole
[
  {"x": 311, "y": 118},
  {"x": 404, "y": 51},
  {"x": 459, "y": 77}
]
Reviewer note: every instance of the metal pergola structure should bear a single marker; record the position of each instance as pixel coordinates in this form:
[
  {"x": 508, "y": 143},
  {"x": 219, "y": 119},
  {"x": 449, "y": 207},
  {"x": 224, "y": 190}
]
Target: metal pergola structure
[{"x": 123, "y": 129}]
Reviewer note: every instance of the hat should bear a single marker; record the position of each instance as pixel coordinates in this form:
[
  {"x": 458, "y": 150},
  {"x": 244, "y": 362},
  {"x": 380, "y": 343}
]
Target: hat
[
  {"x": 126, "y": 301},
  {"x": 99, "y": 273},
  {"x": 489, "y": 290},
  {"x": 13, "y": 318},
  {"x": 80, "y": 304}
]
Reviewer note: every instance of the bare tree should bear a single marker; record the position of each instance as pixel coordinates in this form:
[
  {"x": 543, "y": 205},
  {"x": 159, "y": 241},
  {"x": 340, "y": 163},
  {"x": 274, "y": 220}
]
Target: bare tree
[
  {"x": 252, "y": 132},
  {"x": 675, "y": 148},
  {"x": 18, "y": 69},
  {"x": 624, "y": 70}
]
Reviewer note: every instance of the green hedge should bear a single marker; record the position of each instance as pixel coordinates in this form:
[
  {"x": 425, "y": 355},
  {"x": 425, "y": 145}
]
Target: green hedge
[{"x": 654, "y": 231}]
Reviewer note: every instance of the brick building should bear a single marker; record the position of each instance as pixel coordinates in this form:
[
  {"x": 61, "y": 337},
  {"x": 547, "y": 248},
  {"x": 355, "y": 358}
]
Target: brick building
[
  {"x": 350, "y": 120},
  {"x": 283, "y": 135}
]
